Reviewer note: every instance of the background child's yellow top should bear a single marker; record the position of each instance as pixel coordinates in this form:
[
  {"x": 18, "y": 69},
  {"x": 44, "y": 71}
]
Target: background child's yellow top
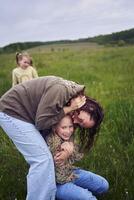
[{"x": 20, "y": 75}]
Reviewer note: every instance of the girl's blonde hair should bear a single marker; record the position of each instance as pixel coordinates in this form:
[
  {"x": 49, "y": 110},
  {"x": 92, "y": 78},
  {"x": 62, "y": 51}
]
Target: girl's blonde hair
[{"x": 19, "y": 57}]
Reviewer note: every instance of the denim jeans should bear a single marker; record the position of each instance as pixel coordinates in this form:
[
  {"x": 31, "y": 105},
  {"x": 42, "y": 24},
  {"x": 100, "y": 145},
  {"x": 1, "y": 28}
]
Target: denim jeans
[
  {"x": 85, "y": 187},
  {"x": 41, "y": 177}
]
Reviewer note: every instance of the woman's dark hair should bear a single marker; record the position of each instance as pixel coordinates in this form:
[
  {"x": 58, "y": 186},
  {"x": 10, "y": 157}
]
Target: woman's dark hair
[{"x": 87, "y": 135}]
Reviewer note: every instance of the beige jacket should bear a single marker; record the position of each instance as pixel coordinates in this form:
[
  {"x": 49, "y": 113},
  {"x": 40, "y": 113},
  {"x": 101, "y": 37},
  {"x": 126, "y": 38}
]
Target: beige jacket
[{"x": 20, "y": 75}]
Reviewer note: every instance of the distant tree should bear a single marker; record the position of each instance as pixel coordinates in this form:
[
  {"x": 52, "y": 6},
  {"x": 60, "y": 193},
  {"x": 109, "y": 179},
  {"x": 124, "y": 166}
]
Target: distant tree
[
  {"x": 52, "y": 49},
  {"x": 121, "y": 43},
  {"x": 120, "y": 38}
]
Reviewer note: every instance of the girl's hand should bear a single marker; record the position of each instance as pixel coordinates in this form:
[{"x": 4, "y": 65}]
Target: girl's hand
[
  {"x": 68, "y": 146},
  {"x": 61, "y": 157}
]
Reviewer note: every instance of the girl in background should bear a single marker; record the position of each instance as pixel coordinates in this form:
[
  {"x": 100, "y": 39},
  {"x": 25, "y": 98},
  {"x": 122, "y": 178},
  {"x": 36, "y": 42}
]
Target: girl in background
[{"x": 24, "y": 70}]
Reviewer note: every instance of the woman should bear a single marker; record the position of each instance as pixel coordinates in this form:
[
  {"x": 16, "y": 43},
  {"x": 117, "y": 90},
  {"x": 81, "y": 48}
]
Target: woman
[{"x": 37, "y": 105}]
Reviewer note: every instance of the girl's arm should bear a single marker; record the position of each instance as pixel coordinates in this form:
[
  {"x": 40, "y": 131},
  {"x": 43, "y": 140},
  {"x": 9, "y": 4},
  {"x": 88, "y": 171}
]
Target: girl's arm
[
  {"x": 14, "y": 79},
  {"x": 76, "y": 155},
  {"x": 35, "y": 74},
  {"x": 59, "y": 155},
  {"x": 68, "y": 146},
  {"x": 69, "y": 151}
]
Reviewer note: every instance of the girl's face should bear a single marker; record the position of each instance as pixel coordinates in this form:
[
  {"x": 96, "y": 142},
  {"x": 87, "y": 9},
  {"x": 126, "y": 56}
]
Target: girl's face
[
  {"x": 65, "y": 128},
  {"x": 83, "y": 119},
  {"x": 24, "y": 62}
]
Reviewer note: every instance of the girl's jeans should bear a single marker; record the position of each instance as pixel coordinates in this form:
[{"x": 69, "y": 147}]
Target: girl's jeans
[
  {"x": 27, "y": 139},
  {"x": 84, "y": 187}
]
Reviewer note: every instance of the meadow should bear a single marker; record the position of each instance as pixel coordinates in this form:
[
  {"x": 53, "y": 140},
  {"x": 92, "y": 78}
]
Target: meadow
[{"x": 108, "y": 74}]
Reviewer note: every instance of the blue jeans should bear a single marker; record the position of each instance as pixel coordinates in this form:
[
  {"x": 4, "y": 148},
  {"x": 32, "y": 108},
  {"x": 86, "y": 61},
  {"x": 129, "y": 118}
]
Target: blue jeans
[
  {"x": 41, "y": 177},
  {"x": 84, "y": 187}
]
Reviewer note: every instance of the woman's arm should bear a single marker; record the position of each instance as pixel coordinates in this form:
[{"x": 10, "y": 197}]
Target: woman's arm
[{"x": 51, "y": 108}]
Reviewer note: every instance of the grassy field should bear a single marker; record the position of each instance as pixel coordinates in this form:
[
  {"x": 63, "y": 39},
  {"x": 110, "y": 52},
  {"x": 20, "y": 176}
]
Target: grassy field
[{"x": 108, "y": 73}]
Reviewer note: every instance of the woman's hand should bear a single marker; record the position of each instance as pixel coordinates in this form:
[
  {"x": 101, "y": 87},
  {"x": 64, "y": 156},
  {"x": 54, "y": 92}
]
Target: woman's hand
[{"x": 75, "y": 103}]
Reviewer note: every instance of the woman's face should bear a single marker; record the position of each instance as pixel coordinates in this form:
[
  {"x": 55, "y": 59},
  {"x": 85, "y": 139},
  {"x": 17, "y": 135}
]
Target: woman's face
[
  {"x": 83, "y": 119},
  {"x": 65, "y": 128}
]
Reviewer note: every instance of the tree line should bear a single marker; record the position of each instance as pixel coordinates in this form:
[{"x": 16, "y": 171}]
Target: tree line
[{"x": 119, "y": 38}]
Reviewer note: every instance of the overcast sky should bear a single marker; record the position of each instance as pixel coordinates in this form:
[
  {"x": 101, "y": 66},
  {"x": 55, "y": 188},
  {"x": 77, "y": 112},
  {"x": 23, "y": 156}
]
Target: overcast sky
[{"x": 49, "y": 20}]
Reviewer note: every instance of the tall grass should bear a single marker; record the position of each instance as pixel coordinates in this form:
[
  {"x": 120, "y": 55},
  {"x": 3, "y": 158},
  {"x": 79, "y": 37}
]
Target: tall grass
[{"x": 108, "y": 74}]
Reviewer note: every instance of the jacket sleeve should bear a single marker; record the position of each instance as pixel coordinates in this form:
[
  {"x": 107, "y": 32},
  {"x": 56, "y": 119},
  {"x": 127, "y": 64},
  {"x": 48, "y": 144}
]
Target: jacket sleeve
[
  {"x": 50, "y": 109},
  {"x": 35, "y": 74},
  {"x": 14, "y": 79}
]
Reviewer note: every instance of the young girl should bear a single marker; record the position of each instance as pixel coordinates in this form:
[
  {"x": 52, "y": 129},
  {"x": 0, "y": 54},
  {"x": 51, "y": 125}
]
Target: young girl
[
  {"x": 24, "y": 70},
  {"x": 72, "y": 183}
]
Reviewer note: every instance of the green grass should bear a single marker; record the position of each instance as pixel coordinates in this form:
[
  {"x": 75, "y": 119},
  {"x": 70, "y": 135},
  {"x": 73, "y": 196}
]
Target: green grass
[{"x": 108, "y": 73}]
